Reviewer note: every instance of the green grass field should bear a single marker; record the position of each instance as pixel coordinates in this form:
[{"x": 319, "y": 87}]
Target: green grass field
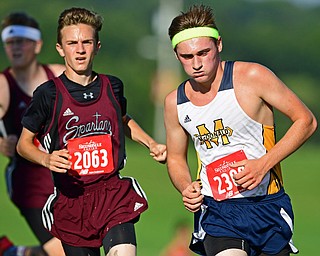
[{"x": 156, "y": 225}]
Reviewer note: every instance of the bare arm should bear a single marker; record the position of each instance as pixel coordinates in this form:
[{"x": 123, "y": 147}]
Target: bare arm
[
  {"x": 56, "y": 161},
  {"x": 136, "y": 133},
  {"x": 8, "y": 142},
  {"x": 177, "y": 145},
  {"x": 271, "y": 90},
  {"x": 4, "y": 95}
]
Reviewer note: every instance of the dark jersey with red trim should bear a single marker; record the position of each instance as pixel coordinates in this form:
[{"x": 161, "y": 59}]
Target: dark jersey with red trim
[
  {"x": 65, "y": 110},
  {"x": 29, "y": 184}
]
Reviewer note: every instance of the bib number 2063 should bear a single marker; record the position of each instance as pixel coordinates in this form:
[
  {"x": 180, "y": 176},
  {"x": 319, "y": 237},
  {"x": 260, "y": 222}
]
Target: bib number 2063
[
  {"x": 89, "y": 159},
  {"x": 91, "y": 155}
]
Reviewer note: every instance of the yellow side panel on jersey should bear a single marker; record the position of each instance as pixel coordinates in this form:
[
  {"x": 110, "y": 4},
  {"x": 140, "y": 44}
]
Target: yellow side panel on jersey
[
  {"x": 199, "y": 170},
  {"x": 276, "y": 181}
]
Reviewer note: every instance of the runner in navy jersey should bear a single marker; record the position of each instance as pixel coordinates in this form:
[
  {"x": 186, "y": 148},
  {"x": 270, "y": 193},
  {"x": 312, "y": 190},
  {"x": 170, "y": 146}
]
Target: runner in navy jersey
[
  {"x": 29, "y": 184},
  {"x": 81, "y": 123},
  {"x": 226, "y": 108}
]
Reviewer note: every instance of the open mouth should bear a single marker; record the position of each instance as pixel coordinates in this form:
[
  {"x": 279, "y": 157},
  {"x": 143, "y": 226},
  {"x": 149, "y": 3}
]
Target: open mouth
[{"x": 81, "y": 59}]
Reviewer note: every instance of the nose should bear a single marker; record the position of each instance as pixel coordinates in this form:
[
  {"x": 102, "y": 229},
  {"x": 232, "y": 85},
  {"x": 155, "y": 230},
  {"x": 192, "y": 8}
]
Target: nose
[
  {"x": 197, "y": 63},
  {"x": 80, "y": 48}
]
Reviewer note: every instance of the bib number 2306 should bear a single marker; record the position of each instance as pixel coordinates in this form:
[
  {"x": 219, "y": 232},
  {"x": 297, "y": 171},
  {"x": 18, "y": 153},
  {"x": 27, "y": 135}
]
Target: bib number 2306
[
  {"x": 91, "y": 155},
  {"x": 220, "y": 176}
]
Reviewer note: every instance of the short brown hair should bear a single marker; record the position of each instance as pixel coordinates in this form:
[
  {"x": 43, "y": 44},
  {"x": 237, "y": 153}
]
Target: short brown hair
[
  {"x": 196, "y": 16},
  {"x": 74, "y": 16}
]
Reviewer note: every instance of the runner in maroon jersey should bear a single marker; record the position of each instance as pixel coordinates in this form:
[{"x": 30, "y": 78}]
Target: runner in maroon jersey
[
  {"x": 29, "y": 184},
  {"x": 81, "y": 123}
]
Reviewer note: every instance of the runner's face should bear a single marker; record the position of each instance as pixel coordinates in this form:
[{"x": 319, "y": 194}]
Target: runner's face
[
  {"x": 78, "y": 48},
  {"x": 199, "y": 58},
  {"x": 21, "y": 51}
]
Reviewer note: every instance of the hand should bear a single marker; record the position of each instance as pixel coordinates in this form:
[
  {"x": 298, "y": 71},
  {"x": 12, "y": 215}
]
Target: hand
[
  {"x": 58, "y": 161},
  {"x": 192, "y": 197},
  {"x": 158, "y": 152},
  {"x": 251, "y": 175},
  {"x": 8, "y": 145}
]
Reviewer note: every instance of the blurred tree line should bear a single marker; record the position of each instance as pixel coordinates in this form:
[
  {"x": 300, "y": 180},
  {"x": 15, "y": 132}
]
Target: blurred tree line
[{"x": 278, "y": 34}]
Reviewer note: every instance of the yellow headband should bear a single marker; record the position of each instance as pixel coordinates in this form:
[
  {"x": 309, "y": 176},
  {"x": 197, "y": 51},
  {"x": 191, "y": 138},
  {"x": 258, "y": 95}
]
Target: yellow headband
[{"x": 192, "y": 33}]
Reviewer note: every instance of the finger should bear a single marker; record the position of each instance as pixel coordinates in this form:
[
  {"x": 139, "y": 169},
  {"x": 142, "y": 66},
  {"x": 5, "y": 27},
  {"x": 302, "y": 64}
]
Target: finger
[
  {"x": 192, "y": 190},
  {"x": 160, "y": 159},
  {"x": 192, "y": 197},
  {"x": 240, "y": 163},
  {"x": 155, "y": 152},
  {"x": 248, "y": 184},
  {"x": 195, "y": 209},
  {"x": 60, "y": 170},
  {"x": 252, "y": 186},
  {"x": 65, "y": 154},
  {"x": 196, "y": 186},
  {"x": 238, "y": 176},
  {"x": 192, "y": 207},
  {"x": 163, "y": 149},
  {"x": 241, "y": 181},
  {"x": 62, "y": 162}
]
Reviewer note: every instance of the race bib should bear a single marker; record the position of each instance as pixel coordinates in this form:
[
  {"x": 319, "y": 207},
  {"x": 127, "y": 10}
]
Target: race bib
[
  {"x": 220, "y": 176},
  {"x": 91, "y": 155}
]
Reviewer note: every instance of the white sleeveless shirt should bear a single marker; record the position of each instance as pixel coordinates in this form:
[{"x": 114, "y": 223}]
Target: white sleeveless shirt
[{"x": 221, "y": 128}]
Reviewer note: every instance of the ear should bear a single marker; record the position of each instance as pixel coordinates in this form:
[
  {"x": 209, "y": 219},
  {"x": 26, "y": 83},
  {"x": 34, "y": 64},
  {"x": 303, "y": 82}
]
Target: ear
[
  {"x": 219, "y": 44},
  {"x": 39, "y": 44},
  {"x": 60, "y": 50},
  {"x": 98, "y": 46},
  {"x": 175, "y": 54}
]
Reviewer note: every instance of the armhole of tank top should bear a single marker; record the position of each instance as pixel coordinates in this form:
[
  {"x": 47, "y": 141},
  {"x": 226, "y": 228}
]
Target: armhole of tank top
[
  {"x": 11, "y": 81},
  {"x": 227, "y": 81},
  {"x": 108, "y": 86},
  {"x": 181, "y": 93}
]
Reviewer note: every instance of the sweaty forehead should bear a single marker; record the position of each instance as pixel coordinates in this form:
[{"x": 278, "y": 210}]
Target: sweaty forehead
[
  {"x": 78, "y": 31},
  {"x": 195, "y": 45}
]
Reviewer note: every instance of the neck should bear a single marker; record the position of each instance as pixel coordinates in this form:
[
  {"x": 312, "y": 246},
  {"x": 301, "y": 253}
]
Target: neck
[
  {"x": 25, "y": 73},
  {"x": 81, "y": 78}
]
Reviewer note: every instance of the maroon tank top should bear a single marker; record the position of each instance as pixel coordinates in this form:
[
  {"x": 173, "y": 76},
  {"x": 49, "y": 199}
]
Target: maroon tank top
[
  {"x": 31, "y": 184},
  {"x": 83, "y": 120}
]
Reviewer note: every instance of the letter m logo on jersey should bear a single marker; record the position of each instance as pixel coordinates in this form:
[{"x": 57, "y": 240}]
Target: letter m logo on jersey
[{"x": 220, "y": 134}]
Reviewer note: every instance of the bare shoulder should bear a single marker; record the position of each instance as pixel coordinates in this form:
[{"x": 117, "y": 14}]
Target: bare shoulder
[
  {"x": 57, "y": 69},
  {"x": 255, "y": 78},
  {"x": 4, "y": 95},
  {"x": 3, "y": 83},
  {"x": 171, "y": 98},
  {"x": 170, "y": 109},
  {"x": 252, "y": 70}
]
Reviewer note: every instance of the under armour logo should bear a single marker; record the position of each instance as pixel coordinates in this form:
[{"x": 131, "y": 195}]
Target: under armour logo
[{"x": 85, "y": 96}]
